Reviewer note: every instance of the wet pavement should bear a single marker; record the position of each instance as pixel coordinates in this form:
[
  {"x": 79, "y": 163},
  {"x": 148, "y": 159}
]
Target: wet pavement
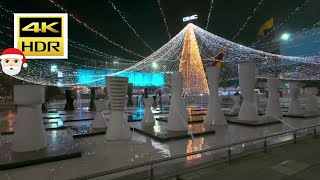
[{"x": 100, "y": 155}]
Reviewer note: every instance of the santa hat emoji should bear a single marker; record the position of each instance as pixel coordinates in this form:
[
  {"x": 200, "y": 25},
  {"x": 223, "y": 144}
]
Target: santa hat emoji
[{"x": 14, "y": 53}]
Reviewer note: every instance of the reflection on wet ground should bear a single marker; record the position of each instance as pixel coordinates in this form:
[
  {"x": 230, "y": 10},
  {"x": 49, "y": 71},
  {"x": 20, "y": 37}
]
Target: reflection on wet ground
[{"x": 101, "y": 155}]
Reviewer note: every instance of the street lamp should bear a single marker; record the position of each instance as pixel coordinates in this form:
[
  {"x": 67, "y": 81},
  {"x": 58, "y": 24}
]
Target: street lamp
[{"x": 285, "y": 36}]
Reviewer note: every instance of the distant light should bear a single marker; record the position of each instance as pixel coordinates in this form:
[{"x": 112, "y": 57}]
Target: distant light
[
  {"x": 60, "y": 74},
  {"x": 189, "y": 18},
  {"x": 154, "y": 65},
  {"x": 115, "y": 62},
  {"x": 201, "y": 94},
  {"x": 285, "y": 36},
  {"x": 54, "y": 68}
]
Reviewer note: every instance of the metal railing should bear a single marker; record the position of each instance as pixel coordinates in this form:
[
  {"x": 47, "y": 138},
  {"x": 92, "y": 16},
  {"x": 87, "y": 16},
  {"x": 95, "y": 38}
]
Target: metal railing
[{"x": 229, "y": 155}]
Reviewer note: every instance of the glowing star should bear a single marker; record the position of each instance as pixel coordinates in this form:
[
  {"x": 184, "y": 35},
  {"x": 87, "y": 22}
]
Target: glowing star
[{"x": 11, "y": 61}]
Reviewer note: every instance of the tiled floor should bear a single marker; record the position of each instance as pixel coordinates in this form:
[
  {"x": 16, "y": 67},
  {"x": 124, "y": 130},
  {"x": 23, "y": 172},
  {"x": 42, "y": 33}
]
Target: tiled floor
[{"x": 101, "y": 155}]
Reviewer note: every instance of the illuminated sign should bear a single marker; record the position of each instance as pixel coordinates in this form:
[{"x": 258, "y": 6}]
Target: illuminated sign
[
  {"x": 41, "y": 35},
  {"x": 141, "y": 79},
  {"x": 189, "y": 18}
]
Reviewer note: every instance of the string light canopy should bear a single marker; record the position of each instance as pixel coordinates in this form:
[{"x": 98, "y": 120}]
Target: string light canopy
[{"x": 168, "y": 58}]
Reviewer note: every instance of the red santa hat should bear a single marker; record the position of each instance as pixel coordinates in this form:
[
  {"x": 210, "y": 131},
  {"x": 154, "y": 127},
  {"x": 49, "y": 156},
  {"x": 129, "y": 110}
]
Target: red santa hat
[{"x": 14, "y": 53}]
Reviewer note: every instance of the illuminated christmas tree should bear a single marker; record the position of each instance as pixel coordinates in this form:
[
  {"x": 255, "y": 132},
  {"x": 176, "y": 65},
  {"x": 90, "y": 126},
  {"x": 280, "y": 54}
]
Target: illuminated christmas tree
[{"x": 191, "y": 65}]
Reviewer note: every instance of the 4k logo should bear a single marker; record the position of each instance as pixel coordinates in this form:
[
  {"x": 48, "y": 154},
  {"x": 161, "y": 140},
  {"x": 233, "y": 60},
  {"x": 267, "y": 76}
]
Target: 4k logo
[
  {"x": 44, "y": 28},
  {"x": 42, "y": 35}
]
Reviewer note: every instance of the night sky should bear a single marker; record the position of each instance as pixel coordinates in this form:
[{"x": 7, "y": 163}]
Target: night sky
[{"x": 144, "y": 15}]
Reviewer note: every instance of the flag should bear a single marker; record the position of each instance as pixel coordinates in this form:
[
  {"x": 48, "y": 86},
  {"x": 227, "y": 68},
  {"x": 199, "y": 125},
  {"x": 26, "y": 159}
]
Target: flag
[
  {"x": 217, "y": 62},
  {"x": 267, "y": 25},
  {"x": 220, "y": 55}
]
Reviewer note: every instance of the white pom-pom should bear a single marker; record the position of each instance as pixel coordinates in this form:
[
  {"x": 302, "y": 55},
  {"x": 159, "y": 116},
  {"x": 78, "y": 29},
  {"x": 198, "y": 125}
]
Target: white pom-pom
[{"x": 25, "y": 65}]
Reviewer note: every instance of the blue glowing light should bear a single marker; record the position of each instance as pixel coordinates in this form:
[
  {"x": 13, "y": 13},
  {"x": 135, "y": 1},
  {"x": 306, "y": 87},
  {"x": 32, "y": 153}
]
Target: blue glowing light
[
  {"x": 54, "y": 68},
  {"x": 85, "y": 78}
]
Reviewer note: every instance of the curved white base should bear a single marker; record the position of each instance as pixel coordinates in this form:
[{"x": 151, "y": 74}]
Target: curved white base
[
  {"x": 148, "y": 115},
  {"x": 295, "y": 108},
  {"x": 177, "y": 118},
  {"x": 185, "y": 111},
  {"x": 236, "y": 105},
  {"x": 215, "y": 116},
  {"x": 99, "y": 121},
  {"x": 118, "y": 127},
  {"x": 273, "y": 102},
  {"x": 247, "y": 80},
  {"x": 29, "y": 132},
  {"x": 177, "y": 122},
  {"x": 248, "y": 111}
]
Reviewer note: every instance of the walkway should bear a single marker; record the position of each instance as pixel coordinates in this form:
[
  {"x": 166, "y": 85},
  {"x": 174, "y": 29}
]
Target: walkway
[{"x": 288, "y": 162}]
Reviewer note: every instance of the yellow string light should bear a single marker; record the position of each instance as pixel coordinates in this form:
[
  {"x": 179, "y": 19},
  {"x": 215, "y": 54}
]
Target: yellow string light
[{"x": 191, "y": 65}]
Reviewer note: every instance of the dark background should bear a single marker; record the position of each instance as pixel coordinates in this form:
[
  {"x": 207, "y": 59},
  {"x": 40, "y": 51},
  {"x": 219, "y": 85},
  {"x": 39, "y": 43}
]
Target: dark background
[{"x": 144, "y": 15}]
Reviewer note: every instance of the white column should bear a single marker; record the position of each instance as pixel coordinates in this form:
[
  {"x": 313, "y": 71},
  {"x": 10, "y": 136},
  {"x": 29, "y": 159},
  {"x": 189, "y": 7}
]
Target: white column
[
  {"x": 311, "y": 99},
  {"x": 214, "y": 114},
  {"x": 236, "y": 104},
  {"x": 273, "y": 102},
  {"x": 118, "y": 127},
  {"x": 247, "y": 80},
  {"x": 148, "y": 116},
  {"x": 29, "y": 132},
  {"x": 295, "y": 107},
  {"x": 99, "y": 121},
  {"x": 176, "y": 118}
]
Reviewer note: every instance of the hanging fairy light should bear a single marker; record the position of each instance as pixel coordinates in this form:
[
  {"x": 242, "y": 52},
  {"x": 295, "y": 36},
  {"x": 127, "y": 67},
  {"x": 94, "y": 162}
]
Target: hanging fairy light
[
  {"x": 93, "y": 30},
  {"x": 130, "y": 26},
  {"x": 286, "y": 19},
  {"x": 248, "y": 19},
  {"x": 164, "y": 19},
  {"x": 209, "y": 14}
]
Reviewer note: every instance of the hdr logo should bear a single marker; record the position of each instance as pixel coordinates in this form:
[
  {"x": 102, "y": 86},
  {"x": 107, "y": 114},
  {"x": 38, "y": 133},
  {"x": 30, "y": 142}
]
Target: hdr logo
[{"x": 41, "y": 35}]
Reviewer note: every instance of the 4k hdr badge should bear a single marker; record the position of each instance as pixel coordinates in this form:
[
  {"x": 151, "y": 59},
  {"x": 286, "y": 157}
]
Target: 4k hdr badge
[{"x": 41, "y": 35}]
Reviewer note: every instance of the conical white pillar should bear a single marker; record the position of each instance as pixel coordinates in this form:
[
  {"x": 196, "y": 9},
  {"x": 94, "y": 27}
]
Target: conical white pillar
[
  {"x": 99, "y": 121},
  {"x": 247, "y": 80},
  {"x": 176, "y": 118},
  {"x": 148, "y": 116},
  {"x": 29, "y": 132},
  {"x": 273, "y": 102},
  {"x": 236, "y": 104},
  {"x": 184, "y": 108},
  {"x": 214, "y": 114},
  {"x": 118, "y": 127},
  {"x": 295, "y": 107}
]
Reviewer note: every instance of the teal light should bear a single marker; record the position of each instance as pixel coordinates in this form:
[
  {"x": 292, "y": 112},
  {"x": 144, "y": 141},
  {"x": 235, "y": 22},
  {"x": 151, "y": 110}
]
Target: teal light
[
  {"x": 140, "y": 79},
  {"x": 285, "y": 36},
  {"x": 54, "y": 68}
]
